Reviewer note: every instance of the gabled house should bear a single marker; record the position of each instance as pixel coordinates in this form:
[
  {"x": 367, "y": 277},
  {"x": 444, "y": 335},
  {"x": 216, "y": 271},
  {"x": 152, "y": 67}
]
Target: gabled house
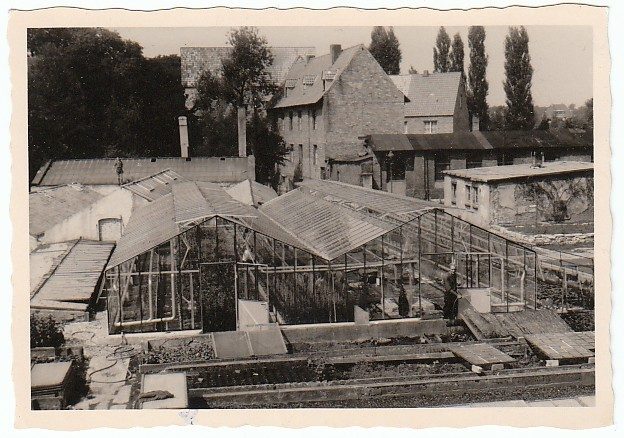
[
  {"x": 328, "y": 104},
  {"x": 437, "y": 103}
]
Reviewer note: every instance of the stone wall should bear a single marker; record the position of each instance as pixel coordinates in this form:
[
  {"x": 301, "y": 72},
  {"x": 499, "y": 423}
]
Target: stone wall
[
  {"x": 362, "y": 101},
  {"x": 517, "y": 202}
]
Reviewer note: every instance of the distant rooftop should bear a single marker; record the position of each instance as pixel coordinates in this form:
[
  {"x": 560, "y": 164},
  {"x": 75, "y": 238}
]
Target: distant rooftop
[
  {"x": 304, "y": 81},
  {"x": 430, "y": 94},
  {"x": 196, "y": 60},
  {"x": 101, "y": 171},
  {"x": 482, "y": 140},
  {"x": 502, "y": 173}
]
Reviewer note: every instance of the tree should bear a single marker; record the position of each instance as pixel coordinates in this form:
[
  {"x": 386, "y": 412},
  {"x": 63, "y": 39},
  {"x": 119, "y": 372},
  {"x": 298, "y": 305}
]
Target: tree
[
  {"x": 269, "y": 149},
  {"x": 519, "y": 72},
  {"x": 477, "y": 82},
  {"x": 457, "y": 54},
  {"x": 385, "y": 49},
  {"x": 441, "y": 52},
  {"x": 245, "y": 80},
  {"x": 92, "y": 94},
  {"x": 497, "y": 116},
  {"x": 222, "y": 101}
]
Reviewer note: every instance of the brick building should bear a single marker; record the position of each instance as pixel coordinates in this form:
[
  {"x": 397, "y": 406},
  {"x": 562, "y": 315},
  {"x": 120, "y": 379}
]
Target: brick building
[
  {"x": 437, "y": 103},
  {"x": 328, "y": 104},
  {"x": 197, "y": 60},
  {"x": 414, "y": 164}
]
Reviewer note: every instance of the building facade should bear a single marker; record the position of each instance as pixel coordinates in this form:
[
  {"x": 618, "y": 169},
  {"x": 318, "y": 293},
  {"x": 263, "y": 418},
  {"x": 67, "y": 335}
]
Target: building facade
[
  {"x": 414, "y": 164},
  {"x": 556, "y": 192},
  {"x": 437, "y": 103},
  {"x": 328, "y": 104}
]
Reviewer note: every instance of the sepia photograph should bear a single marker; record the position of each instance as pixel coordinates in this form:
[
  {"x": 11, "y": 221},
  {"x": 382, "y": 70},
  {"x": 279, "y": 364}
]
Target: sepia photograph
[{"x": 285, "y": 217}]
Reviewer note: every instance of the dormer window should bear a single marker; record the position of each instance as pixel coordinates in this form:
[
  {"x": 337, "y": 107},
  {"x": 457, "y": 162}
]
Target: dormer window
[
  {"x": 328, "y": 77},
  {"x": 308, "y": 80}
]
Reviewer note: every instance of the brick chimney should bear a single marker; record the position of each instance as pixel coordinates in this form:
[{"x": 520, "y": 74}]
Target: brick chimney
[
  {"x": 425, "y": 73},
  {"x": 334, "y": 50},
  {"x": 184, "y": 140}
]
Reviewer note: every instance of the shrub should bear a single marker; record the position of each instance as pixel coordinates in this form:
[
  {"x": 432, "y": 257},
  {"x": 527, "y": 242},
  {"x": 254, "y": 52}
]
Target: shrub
[
  {"x": 298, "y": 173},
  {"x": 45, "y": 331}
]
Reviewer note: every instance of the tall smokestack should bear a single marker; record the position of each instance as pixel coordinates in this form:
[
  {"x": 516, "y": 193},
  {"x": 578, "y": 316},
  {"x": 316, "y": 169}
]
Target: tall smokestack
[
  {"x": 241, "y": 115},
  {"x": 335, "y": 50},
  {"x": 184, "y": 141}
]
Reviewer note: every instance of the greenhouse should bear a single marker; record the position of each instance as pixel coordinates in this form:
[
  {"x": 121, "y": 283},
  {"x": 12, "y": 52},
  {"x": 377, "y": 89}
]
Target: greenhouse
[{"x": 198, "y": 259}]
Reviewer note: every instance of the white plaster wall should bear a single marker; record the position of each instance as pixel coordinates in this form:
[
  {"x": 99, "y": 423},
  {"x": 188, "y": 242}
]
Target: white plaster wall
[{"x": 84, "y": 224}]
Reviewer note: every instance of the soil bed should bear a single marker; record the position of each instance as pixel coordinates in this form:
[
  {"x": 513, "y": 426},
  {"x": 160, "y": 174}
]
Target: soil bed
[
  {"x": 442, "y": 400},
  {"x": 580, "y": 320},
  {"x": 187, "y": 351}
]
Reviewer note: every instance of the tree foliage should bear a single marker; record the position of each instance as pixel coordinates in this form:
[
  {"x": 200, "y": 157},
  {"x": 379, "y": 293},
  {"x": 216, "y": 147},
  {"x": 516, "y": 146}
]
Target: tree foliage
[
  {"x": 45, "y": 331},
  {"x": 497, "y": 116},
  {"x": 457, "y": 54},
  {"x": 441, "y": 52},
  {"x": 477, "y": 83},
  {"x": 385, "y": 49},
  {"x": 242, "y": 81},
  {"x": 92, "y": 94},
  {"x": 519, "y": 72},
  {"x": 245, "y": 80}
]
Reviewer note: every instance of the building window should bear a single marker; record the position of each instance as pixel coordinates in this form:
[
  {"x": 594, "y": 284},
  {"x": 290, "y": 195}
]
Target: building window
[
  {"x": 468, "y": 196},
  {"x": 299, "y": 120},
  {"x": 313, "y": 119},
  {"x": 291, "y": 152},
  {"x": 441, "y": 163},
  {"x": 454, "y": 192},
  {"x": 475, "y": 198},
  {"x": 551, "y": 156},
  {"x": 290, "y": 118},
  {"x": 301, "y": 153},
  {"x": 471, "y": 163},
  {"x": 431, "y": 126},
  {"x": 315, "y": 154},
  {"x": 405, "y": 127}
]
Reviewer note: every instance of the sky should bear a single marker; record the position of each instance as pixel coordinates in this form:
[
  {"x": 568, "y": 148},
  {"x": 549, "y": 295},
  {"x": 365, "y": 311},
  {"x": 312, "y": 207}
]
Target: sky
[{"x": 561, "y": 55}]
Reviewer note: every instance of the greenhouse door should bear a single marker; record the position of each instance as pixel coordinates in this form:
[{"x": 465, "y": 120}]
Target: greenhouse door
[{"x": 218, "y": 292}]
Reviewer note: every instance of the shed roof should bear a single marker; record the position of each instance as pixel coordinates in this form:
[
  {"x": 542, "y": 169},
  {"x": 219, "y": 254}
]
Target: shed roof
[
  {"x": 101, "y": 171},
  {"x": 515, "y": 171},
  {"x": 196, "y": 60},
  {"x": 331, "y": 230},
  {"x": 53, "y": 205},
  {"x": 432, "y": 94},
  {"x": 312, "y": 70},
  {"x": 166, "y": 217},
  {"x": 73, "y": 274},
  {"x": 481, "y": 140}
]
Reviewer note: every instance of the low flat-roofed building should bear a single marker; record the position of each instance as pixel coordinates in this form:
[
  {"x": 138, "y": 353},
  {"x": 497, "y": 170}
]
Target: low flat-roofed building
[{"x": 556, "y": 192}]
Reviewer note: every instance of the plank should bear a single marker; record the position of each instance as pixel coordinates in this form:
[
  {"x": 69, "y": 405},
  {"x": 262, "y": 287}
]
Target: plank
[
  {"x": 481, "y": 354},
  {"x": 564, "y": 346}
]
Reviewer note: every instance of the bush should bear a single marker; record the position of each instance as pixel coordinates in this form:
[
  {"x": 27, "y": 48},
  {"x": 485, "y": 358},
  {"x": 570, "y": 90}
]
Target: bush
[
  {"x": 298, "y": 173},
  {"x": 45, "y": 331}
]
